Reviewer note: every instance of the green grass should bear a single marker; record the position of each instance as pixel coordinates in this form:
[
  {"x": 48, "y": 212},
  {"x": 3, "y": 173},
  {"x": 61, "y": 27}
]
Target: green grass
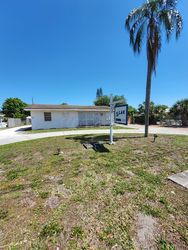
[
  {"x": 164, "y": 245},
  {"x": 50, "y": 229},
  {"x": 83, "y": 199},
  {"x": 68, "y": 129}
]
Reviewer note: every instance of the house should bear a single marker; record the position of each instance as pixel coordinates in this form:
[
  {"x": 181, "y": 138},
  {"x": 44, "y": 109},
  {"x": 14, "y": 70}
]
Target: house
[
  {"x": 2, "y": 124},
  {"x": 67, "y": 116}
]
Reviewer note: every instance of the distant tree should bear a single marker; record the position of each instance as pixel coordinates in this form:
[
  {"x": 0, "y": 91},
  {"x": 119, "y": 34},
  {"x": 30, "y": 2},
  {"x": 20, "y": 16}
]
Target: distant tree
[
  {"x": 141, "y": 108},
  {"x": 157, "y": 112},
  {"x": 141, "y": 113},
  {"x": 102, "y": 101},
  {"x": 180, "y": 109},
  {"x": 160, "y": 112},
  {"x": 149, "y": 21},
  {"x": 14, "y": 108},
  {"x": 99, "y": 93},
  {"x": 132, "y": 112},
  {"x": 120, "y": 98},
  {"x": 64, "y": 103}
]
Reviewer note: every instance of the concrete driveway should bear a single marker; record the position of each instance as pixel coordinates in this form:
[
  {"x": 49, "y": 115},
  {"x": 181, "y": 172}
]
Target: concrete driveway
[{"x": 18, "y": 134}]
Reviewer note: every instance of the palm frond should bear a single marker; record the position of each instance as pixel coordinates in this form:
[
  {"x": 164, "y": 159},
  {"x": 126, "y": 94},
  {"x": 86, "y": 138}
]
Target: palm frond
[
  {"x": 134, "y": 29},
  {"x": 178, "y": 22},
  {"x": 153, "y": 16},
  {"x": 171, "y": 20},
  {"x": 166, "y": 19},
  {"x": 136, "y": 14},
  {"x": 170, "y": 4},
  {"x": 139, "y": 38}
]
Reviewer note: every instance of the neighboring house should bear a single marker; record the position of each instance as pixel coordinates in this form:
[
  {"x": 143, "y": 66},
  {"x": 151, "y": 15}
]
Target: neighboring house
[
  {"x": 2, "y": 124},
  {"x": 67, "y": 116}
]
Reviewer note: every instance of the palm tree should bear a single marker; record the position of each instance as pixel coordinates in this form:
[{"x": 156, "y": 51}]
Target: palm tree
[{"x": 151, "y": 18}]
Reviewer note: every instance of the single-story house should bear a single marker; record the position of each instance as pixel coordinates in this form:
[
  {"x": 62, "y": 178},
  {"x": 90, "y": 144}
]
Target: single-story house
[{"x": 67, "y": 116}]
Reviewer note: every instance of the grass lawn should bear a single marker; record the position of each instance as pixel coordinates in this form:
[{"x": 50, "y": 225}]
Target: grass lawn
[
  {"x": 68, "y": 129},
  {"x": 83, "y": 199}
]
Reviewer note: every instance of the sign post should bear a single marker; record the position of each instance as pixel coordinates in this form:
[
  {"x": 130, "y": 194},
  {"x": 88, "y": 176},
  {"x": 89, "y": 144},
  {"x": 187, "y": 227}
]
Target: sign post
[
  {"x": 121, "y": 115},
  {"x": 111, "y": 119}
]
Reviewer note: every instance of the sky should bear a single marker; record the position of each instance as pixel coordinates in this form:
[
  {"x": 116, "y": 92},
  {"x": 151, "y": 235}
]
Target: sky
[{"x": 57, "y": 51}]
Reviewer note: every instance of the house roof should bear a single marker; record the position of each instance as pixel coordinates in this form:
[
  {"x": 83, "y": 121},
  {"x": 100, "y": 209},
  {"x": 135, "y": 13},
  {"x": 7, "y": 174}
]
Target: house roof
[{"x": 67, "y": 107}]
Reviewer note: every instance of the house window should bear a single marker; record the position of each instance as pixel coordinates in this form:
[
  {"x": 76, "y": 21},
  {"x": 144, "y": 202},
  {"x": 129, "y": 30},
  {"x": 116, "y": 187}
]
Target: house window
[{"x": 47, "y": 116}]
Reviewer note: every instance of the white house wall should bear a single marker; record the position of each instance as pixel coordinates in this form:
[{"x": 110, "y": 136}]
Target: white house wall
[
  {"x": 68, "y": 119},
  {"x": 59, "y": 120},
  {"x": 93, "y": 118}
]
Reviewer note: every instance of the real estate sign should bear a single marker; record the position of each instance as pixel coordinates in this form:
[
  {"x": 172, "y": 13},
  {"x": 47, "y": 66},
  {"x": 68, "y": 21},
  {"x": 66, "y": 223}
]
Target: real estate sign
[{"x": 121, "y": 114}]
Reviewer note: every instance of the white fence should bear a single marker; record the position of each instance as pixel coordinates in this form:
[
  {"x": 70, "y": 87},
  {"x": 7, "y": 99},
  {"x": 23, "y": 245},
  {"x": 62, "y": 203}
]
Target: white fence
[{"x": 14, "y": 122}]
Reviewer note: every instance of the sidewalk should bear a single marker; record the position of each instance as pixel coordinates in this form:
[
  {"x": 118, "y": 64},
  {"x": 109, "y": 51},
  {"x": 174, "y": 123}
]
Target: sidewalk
[{"x": 12, "y": 135}]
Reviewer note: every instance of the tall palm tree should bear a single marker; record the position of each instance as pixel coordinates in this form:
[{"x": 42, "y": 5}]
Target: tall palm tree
[{"x": 150, "y": 19}]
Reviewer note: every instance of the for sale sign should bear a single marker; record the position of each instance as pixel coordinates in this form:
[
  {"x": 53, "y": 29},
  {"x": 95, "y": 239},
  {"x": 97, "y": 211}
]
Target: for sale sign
[{"x": 121, "y": 114}]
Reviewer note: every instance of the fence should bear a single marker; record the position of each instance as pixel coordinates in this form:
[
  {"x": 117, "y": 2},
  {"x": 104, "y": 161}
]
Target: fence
[
  {"x": 172, "y": 122},
  {"x": 14, "y": 122}
]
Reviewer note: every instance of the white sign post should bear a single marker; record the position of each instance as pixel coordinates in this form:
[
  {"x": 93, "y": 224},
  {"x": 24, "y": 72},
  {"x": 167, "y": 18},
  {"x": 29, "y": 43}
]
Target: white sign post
[
  {"x": 111, "y": 119},
  {"x": 112, "y": 106}
]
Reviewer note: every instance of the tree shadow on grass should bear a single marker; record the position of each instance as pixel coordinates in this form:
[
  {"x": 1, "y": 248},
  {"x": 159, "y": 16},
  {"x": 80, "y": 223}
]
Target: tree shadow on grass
[
  {"x": 101, "y": 138},
  {"x": 98, "y": 141}
]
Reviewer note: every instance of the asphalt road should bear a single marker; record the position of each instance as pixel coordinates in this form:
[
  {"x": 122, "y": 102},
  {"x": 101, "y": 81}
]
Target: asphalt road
[{"x": 12, "y": 135}]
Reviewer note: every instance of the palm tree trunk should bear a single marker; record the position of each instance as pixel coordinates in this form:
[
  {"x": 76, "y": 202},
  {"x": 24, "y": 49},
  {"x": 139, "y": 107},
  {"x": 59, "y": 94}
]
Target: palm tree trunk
[{"x": 147, "y": 100}]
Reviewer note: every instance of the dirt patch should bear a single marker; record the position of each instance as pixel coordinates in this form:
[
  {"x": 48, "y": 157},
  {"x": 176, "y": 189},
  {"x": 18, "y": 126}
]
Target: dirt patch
[
  {"x": 116, "y": 247},
  {"x": 27, "y": 202},
  {"x": 84, "y": 217},
  {"x": 2, "y": 174},
  {"x": 52, "y": 202},
  {"x": 1, "y": 234},
  {"x": 140, "y": 152},
  {"x": 38, "y": 156},
  {"x": 19, "y": 158},
  {"x": 55, "y": 179},
  {"x": 146, "y": 232},
  {"x": 129, "y": 174},
  {"x": 62, "y": 190}
]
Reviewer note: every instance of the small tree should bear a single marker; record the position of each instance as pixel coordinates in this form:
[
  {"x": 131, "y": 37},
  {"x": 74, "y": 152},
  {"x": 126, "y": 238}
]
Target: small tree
[
  {"x": 120, "y": 98},
  {"x": 160, "y": 112},
  {"x": 99, "y": 93},
  {"x": 141, "y": 112},
  {"x": 14, "y": 108},
  {"x": 180, "y": 109},
  {"x": 102, "y": 101},
  {"x": 131, "y": 113}
]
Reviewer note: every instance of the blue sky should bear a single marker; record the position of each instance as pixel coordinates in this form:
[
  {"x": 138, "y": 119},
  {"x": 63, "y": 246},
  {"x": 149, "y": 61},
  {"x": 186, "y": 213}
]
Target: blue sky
[{"x": 63, "y": 50}]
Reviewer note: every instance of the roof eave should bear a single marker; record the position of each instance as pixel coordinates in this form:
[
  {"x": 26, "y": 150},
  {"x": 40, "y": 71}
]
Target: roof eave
[{"x": 79, "y": 110}]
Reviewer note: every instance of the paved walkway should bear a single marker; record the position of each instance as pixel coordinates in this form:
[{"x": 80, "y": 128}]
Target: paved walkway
[{"x": 12, "y": 135}]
